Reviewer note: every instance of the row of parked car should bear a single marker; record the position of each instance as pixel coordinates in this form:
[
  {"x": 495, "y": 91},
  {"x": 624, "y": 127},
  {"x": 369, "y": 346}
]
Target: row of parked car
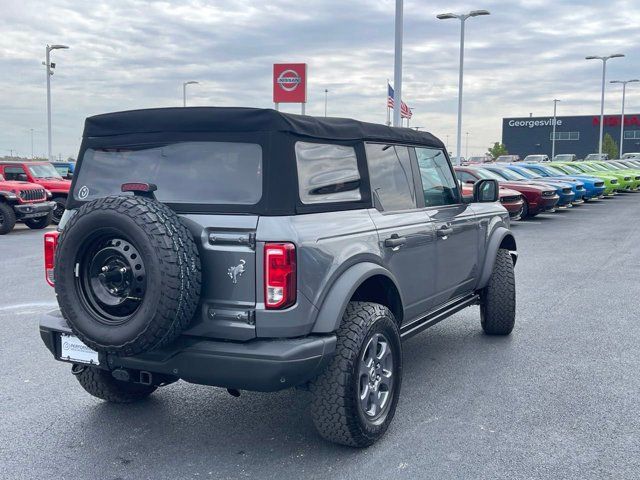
[
  {"x": 538, "y": 158},
  {"x": 529, "y": 188},
  {"x": 33, "y": 192}
]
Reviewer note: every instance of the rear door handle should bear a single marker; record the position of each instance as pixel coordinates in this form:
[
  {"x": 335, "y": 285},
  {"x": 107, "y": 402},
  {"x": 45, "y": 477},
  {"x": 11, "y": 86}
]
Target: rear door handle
[
  {"x": 445, "y": 231},
  {"x": 395, "y": 241}
]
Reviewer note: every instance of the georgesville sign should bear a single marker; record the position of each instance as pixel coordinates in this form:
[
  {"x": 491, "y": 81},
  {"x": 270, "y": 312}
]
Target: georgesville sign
[{"x": 290, "y": 83}]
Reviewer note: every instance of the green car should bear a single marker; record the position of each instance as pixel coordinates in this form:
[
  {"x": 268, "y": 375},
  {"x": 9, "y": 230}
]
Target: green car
[
  {"x": 628, "y": 174},
  {"x": 611, "y": 183},
  {"x": 624, "y": 180}
]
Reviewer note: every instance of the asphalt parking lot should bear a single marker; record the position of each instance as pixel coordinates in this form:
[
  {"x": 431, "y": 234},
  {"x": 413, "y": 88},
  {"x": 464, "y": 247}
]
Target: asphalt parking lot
[{"x": 556, "y": 399}]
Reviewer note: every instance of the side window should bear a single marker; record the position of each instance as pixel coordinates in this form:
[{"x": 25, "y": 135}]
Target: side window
[
  {"x": 465, "y": 177},
  {"x": 438, "y": 183},
  {"x": 327, "y": 173},
  {"x": 12, "y": 173},
  {"x": 392, "y": 183}
]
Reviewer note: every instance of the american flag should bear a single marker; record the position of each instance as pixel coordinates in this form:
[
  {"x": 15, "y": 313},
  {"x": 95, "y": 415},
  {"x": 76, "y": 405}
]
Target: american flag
[{"x": 405, "y": 111}]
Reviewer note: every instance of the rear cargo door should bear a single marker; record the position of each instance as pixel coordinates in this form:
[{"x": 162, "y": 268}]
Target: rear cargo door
[{"x": 227, "y": 254}]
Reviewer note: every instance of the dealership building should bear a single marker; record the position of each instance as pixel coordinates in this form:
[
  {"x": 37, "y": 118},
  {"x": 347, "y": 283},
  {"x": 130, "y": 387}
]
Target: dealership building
[{"x": 578, "y": 134}]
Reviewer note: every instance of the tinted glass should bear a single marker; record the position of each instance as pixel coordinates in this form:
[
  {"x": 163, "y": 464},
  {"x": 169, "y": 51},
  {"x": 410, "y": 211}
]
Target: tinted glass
[
  {"x": 189, "y": 172},
  {"x": 465, "y": 177},
  {"x": 11, "y": 173},
  {"x": 391, "y": 177},
  {"x": 438, "y": 183},
  {"x": 327, "y": 173}
]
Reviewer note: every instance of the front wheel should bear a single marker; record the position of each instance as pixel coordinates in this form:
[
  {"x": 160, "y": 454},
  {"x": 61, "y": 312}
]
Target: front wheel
[
  {"x": 39, "y": 223},
  {"x": 355, "y": 398},
  {"x": 7, "y": 218},
  {"x": 101, "y": 384},
  {"x": 498, "y": 298}
]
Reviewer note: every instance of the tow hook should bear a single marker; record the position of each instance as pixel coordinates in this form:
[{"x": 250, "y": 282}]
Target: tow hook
[
  {"x": 233, "y": 392},
  {"x": 77, "y": 369}
]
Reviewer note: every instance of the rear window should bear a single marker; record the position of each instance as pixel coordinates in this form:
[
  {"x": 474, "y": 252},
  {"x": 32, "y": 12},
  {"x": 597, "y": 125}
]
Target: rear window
[{"x": 188, "y": 172}]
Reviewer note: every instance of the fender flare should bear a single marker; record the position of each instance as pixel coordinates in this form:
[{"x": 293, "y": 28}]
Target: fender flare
[
  {"x": 8, "y": 196},
  {"x": 335, "y": 302},
  {"x": 493, "y": 245}
]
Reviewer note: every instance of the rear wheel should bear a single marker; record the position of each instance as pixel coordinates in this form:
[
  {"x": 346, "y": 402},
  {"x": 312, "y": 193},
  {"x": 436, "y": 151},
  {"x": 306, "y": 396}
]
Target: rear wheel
[
  {"x": 101, "y": 384},
  {"x": 7, "y": 218},
  {"x": 498, "y": 298},
  {"x": 39, "y": 223},
  {"x": 355, "y": 398}
]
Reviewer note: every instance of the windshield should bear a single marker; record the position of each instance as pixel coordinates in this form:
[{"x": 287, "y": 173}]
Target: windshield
[
  {"x": 186, "y": 172},
  {"x": 44, "y": 171},
  {"x": 508, "y": 174},
  {"x": 619, "y": 165},
  {"x": 570, "y": 169},
  {"x": 487, "y": 175},
  {"x": 534, "y": 158},
  {"x": 563, "y": 157},
  {"x": 556, "y": 170},
  {"x": 528, "y": 174}
]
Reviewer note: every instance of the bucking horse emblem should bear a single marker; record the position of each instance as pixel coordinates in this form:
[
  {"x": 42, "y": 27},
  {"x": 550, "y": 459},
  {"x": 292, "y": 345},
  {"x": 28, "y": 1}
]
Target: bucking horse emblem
[{"x": 235, "y": 272}]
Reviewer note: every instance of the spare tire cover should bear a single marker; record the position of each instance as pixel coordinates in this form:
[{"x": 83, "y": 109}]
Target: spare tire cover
[{"x": 127, "y": 274}]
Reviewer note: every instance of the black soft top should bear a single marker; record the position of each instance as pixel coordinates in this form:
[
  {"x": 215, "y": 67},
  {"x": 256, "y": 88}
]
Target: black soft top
[{"x": 247, "y": 120}]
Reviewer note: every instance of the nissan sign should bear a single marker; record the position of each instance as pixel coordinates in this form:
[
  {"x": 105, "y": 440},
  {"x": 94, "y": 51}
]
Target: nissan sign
[{"x": 290, "y": 83}]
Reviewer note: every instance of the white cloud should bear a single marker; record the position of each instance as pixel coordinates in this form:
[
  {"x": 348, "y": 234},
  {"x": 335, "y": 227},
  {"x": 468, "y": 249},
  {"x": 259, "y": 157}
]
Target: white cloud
[{"x": 135, "y": 54}]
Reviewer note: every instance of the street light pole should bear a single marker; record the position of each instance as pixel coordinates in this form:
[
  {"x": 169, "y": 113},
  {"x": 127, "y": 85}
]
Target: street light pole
[
  {"x": 462, "y": 18},
  {"x": 466, "y": 150},
  {"x": 31, "y": 129},
  {"x": 553, "y": 134},
  {"x": 326, "y": 93},
  {"x": 604, "y": 73},
  {"x": 397, "y": 67},
  {"x": 49, "y": 73},
  {"x": 624, "y": 91},
  {"x": 184, "y": 91}
]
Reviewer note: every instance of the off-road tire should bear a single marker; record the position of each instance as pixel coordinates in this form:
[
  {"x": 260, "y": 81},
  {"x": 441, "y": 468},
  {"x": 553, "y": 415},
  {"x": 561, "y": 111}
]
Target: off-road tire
[
  {"x": 7, "y": 218},
  {"x": 498, "y": 298},
  {"x": 335, "y": 392},
  {"x": 101, "y": 384},
  {"x": 39, "y": 223},
  {"x": 172, "y": 262},
  {"x": 58, "y": 210}
]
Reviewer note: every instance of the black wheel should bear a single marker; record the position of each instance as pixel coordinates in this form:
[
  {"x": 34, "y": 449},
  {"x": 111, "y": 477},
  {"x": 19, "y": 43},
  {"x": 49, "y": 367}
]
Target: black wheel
[
  {"x": 525, "y": 210},
  {"x": 39, "y": 223},
  {"x": 355, "y": 398},
  {"x": 101, "y": 384},
  {"x": 127, "y": 275},
  {"x": 498, "y": 298},
  {"x": 58, "y": 210},
  {"x": 7, "y": 218}
]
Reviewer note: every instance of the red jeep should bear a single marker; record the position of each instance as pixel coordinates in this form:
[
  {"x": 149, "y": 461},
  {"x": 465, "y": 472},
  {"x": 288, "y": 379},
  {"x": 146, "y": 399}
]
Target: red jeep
[
  {"x": 26, "y": 202},
  {"x": 44, "y": 174}
]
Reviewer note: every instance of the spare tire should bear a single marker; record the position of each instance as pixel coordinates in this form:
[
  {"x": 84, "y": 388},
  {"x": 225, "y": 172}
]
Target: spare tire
[{"x": 127, "y": 275}]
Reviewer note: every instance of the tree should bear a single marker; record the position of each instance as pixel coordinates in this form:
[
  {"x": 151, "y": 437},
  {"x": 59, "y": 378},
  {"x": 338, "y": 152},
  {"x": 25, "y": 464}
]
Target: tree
[
  {"x": 497, "y": 150},
  {"x": 609, "y": 146}
]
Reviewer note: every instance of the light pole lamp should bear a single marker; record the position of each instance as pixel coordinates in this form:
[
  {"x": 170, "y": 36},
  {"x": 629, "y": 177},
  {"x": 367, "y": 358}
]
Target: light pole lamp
[
  {"x": 553, "y": 133},
  {"x": 184, "y": 91},
  {"x": 624, "y": 91},
  {"x": 462, "y": 17},
  {"x": 604, "y": 73},
  {"x": 50, "y": 66}
]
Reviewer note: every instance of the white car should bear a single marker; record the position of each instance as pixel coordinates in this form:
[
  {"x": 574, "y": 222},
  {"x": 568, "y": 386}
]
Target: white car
[
  {"x": 536, "y": 158},
  {"x": 631, "y": 156}
]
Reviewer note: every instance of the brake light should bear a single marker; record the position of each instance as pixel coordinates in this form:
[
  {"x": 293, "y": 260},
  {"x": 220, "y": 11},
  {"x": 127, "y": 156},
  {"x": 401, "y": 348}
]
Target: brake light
[
  {"x": 279, "y": 275},
  {"x": 50, "y": 244}
]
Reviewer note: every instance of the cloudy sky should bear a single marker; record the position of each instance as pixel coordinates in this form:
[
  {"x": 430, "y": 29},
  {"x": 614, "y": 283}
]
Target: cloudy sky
[{"x": 129, "y": 54}]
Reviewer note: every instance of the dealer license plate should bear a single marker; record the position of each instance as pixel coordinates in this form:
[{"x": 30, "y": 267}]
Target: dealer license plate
[{"x": 73, "y": 350}]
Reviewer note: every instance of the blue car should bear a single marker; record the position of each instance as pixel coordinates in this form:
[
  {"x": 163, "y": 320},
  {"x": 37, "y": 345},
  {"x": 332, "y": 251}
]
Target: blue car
[
  {"x": 594, "y": 187},
  {"x": 564, "y": 189}
]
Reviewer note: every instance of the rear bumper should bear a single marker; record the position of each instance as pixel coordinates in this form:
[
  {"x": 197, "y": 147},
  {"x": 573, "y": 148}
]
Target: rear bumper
[
  {"x": 260, "y": 365},
  {"x": 33, "y": 210}
]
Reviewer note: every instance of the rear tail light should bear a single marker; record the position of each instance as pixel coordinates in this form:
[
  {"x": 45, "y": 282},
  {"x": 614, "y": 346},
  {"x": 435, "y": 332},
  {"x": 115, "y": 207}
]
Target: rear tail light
[
  {"x": 279, "y": 275},
  {"x": 50, "y": 244}
]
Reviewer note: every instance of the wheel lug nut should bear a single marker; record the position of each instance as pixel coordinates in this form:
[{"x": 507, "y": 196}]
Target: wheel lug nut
[{"x": 105, "y": 269}]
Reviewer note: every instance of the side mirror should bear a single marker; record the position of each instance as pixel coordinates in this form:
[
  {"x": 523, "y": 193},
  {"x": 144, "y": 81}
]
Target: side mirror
[
  {"x": 485, "y": 191},
  {"x": 22, "y": 177}
]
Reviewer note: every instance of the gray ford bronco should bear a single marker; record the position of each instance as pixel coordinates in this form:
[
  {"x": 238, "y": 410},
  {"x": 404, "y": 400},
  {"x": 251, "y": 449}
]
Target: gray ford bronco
[{"x": 254, "y": 250}]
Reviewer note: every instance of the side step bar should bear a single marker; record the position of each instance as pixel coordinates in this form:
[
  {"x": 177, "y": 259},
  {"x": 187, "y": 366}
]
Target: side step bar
[{"x": 417, "y": 326}]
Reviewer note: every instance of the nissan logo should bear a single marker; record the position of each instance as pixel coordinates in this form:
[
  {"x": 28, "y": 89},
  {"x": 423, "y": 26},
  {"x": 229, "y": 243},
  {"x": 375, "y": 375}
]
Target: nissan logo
[{"x": 289, "y": 80}]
